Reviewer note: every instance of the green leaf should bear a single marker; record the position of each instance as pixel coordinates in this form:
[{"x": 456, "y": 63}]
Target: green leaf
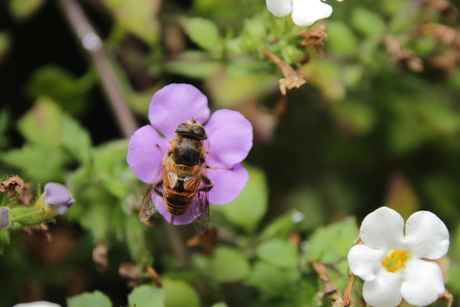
[
  {"x": 87, "y": 299},
  {"x": 203, "y": 32},
  {"x": 268, "y": 278},
  {"x": 135, "y": 238},
  {"x": 42, "y": 124},
  {"x": 194, "y": 69},
  {"x": 361, "y": 18},
  {"x": 37, "y": 162},
  {"x": 331, "y": 243},
  {"x": 357, "y": 117},
  {"x": 4, "y": 239},
  {"x": 223, "y": 88},
  {"x": 75, "y": 139},
  {"x": 179, "y": 293},
  {"x": 280, "y": 253},
  {"x": 250, "y": 206},
  {"x": 24, "y": 8},
  {"x": 138, "y": 17},
  {"x": 4, "y": 44},
  {"x": 282, "y": 226},
  {"x": 61, "y": 86},
  {"x": 227, "y": 265},
  {"x": 340, "y": 39},
  {"x": 147, "y": 296}
]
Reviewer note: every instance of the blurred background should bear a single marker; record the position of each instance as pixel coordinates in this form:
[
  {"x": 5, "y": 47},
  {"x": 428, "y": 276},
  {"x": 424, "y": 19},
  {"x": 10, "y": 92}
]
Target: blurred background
[{"x": 376, "y": 123}]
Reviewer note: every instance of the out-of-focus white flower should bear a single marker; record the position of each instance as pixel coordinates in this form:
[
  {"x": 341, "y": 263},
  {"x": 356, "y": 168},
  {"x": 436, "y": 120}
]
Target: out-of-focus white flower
[
  {"x": 392, "y": 263},
  {"x": 37, "y": 304},
  {"x": 304, "y": 12}
]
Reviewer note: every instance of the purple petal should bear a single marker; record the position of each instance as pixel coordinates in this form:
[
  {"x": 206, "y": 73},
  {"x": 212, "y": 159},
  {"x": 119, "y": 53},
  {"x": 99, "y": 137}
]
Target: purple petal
[
  {"x": 229, "y": 137},
  {"x": 175, "y": 104},
  {"x": 58, "y": 196},
  {"x": 4, "y": 217},
  {"x": 227, "y": 183},
  {"x": 144, "y": 157},
  {"x": 186, "y": 218}
]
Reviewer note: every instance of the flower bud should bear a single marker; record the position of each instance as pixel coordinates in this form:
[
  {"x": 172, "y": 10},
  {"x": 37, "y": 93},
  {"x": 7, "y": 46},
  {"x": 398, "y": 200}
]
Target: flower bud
[
  {"x": 58, "y": 197},
  {"x": 4, "y": 217}
]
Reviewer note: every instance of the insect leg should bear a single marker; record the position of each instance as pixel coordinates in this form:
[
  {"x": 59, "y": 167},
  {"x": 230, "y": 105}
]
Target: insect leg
[
  {"x": 157, "y": 185},
  {"x": 165, "y": 151},
  {"x": 212, "y": 167},
  {"x": 209, "y": 184}
]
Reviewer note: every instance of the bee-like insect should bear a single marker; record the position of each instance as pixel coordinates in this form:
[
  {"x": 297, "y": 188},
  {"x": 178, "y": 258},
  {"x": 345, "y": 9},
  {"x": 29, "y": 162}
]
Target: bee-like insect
[{"x": 181, "y": 178}]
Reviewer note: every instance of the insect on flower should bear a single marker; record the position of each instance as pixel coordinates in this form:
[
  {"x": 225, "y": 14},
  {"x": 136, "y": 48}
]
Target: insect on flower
[
  {"x": 187, "y": 164},
  {"x": 181, "y": 177}
]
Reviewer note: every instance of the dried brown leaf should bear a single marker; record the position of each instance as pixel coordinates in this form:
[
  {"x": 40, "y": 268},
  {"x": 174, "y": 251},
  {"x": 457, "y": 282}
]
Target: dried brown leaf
[
  {"x": 292, "y": 78},
  {"x": 315, "y": 37},
  {"x": 100, "y": 253},
  {"x": 207, "y": 240},
  {"x": 12, "y": 185},
  {"x": 403, "y": 58},
  {"x": 330, "y": 289}
]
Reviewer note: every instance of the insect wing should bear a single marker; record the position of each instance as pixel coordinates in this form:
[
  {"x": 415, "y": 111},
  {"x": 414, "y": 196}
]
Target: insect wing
[
  {"x": 148, "y": 208},
  {"x": 200, "y": 206}
]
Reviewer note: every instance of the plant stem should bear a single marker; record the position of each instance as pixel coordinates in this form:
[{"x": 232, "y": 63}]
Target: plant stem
[{"x": 92, "y": 44}]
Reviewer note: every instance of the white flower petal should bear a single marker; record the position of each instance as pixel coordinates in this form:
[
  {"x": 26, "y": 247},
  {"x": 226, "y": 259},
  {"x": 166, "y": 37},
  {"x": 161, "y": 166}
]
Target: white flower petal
[
  {"x": 306, "y": 12},
  {"x": 279, "y": 8},
  {"x": 423, "y": 282},
  {"x": 426, "y": 235},
  {"x": 365, "y": 261},
  {"x": 37, "y": 304},
  {"x": 383, "y": 229},
  {"x": 384, "y": 290}
]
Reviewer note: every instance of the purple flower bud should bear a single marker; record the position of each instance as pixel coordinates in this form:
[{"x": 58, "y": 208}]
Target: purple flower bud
[
  {"x": 57, "y": 196},
  {"x": 4, "y": 217}
]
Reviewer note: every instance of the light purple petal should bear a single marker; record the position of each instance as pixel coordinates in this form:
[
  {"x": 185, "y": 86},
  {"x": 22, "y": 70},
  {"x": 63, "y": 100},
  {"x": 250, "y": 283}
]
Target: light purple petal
[
  {"x": 383, "y": 229},
  {"x": 186, "y": 218},
  {"x": 175, "y": 104},
  {"x": 423, "y": 282},
  {"x": 229, "y": 137},
  {"x": 227, "y": 183},
  {"x": 384, "y": 290},
  {"x": 4, "y": 217},
  {"x": 365, "y": 261},
  {"x": 144, "y": 157},
  {"x": 426, "y": 235},
  {"x": 58, "y": 196}
]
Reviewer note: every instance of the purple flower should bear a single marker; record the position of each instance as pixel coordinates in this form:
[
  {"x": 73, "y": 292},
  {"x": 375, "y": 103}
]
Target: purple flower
[
  {"x": 229, "y": 141},
  {"x": 58, "y": 197}
]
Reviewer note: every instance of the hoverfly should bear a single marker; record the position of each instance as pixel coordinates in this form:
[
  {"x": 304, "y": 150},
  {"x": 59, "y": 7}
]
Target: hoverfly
[{"x": 181, "y": 178}]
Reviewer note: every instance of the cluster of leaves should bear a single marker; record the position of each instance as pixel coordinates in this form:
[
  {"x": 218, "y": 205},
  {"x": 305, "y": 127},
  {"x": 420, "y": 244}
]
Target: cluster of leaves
[{"x": 375, "y": 112}]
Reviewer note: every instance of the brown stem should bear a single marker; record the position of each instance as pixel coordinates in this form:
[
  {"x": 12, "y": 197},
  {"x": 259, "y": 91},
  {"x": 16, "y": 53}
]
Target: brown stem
[{"x": 92, "y": 44}]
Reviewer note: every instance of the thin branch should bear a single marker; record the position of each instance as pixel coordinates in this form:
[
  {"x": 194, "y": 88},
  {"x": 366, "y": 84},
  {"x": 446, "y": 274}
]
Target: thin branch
[{"x": 92, "y": 44}]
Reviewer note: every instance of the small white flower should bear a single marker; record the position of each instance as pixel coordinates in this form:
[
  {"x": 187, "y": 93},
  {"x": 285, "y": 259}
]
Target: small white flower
[
  {"x": 304, "y": 12},
  {"x": 38, "y": 304},
  {"x": 392, "y": 264}
]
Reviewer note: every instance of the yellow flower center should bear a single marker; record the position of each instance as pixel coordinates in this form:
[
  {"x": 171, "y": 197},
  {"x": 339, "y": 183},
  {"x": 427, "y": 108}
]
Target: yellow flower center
[{"x": 396, "y": 260}]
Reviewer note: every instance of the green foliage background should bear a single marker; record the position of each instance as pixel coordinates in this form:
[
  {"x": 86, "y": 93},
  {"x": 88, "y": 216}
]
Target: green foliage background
[{"x": 364, "y": 131}]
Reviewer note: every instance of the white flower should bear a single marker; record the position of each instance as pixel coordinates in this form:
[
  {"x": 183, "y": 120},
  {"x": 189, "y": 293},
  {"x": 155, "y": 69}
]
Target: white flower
[
  {"x": 392, "y": 264},
  {"x": 37, "y": 304},
  {"x": 304, "y": 12}
]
